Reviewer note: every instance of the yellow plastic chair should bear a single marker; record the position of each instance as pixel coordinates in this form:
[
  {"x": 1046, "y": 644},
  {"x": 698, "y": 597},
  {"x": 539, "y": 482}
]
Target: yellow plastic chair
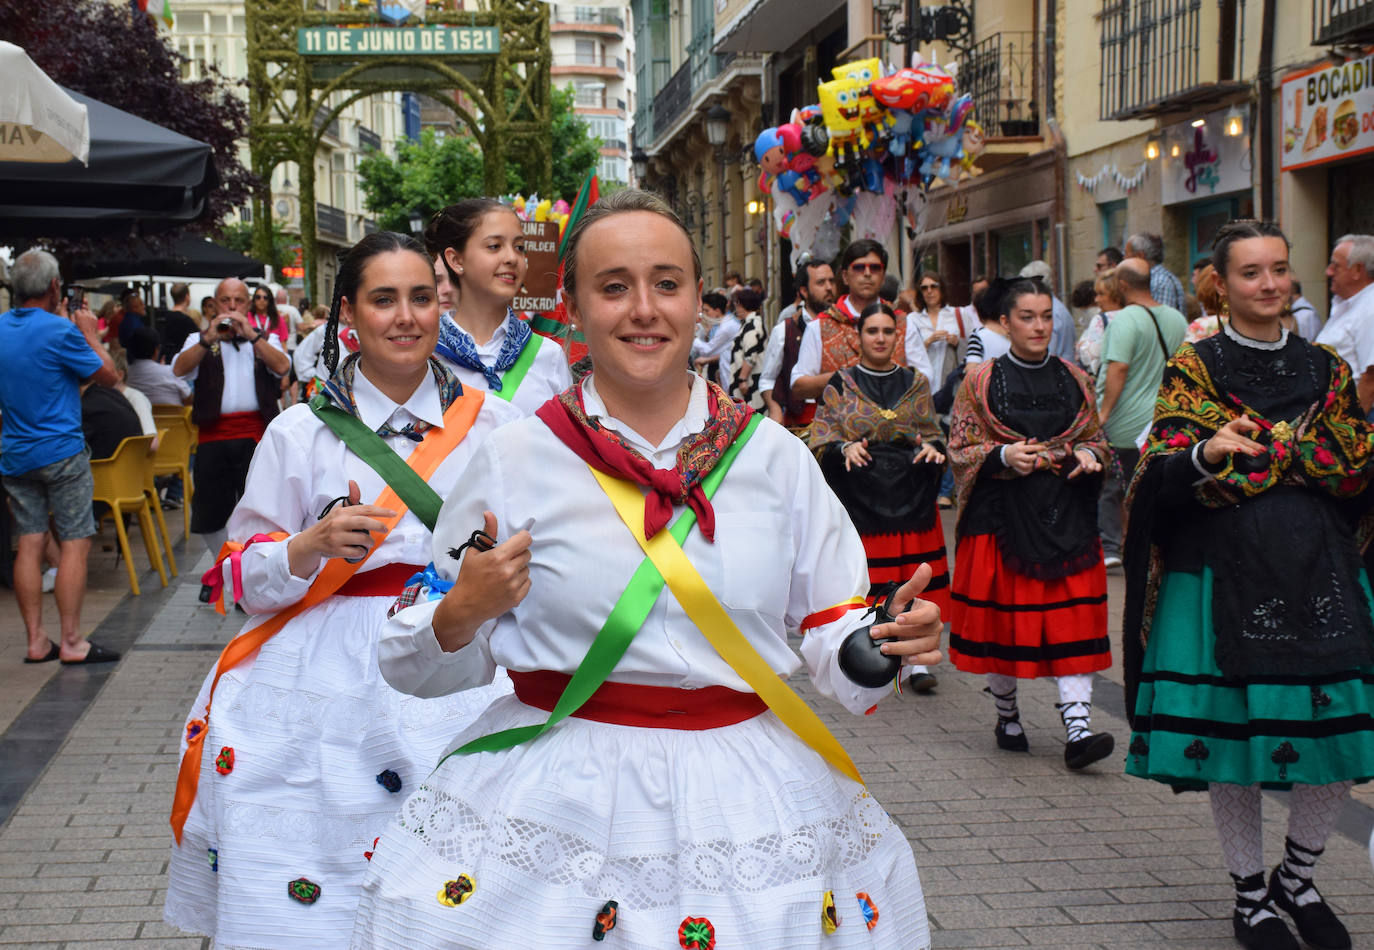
[
  {"x": 120, "y": 481},
  {"x": 173, "y": 456},
  {"x": 150, "y": 489}
]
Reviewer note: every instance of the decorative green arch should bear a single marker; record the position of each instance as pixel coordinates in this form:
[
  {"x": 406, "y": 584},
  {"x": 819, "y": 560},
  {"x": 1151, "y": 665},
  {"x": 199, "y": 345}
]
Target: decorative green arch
[{"x": 286, "y": 96}]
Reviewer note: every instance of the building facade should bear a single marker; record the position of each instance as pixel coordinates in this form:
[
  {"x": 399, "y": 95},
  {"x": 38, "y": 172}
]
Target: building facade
[
  {"x": 1181, "y": 115},
  {"x": 593, "y": 51},
  {"x": 213, "y": 32}
]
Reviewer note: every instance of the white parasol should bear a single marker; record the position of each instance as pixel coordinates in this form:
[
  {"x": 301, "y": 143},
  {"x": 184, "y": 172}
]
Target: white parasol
[{"x": 39, "y": 122}]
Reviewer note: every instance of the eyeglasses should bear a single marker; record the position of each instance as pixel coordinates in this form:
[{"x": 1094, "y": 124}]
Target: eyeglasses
[
  {"x": 930, "y": 286},
  {"x": 866, "y": 267}
]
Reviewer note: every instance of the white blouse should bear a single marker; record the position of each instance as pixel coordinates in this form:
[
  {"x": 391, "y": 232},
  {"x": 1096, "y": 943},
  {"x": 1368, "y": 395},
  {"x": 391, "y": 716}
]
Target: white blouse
[
  {"x": 547, "y": 377},
  {"x": 784, "y": 549},
  {"x": 300, "y": 466}
]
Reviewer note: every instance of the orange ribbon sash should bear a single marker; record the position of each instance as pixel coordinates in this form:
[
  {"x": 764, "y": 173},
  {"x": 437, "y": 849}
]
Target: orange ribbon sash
[{"x": 424, "y": 460}]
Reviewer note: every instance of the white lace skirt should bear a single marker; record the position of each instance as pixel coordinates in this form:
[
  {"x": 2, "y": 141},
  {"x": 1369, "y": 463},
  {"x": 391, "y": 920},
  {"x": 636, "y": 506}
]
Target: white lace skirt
[
  {"x": 312, "y": 725},
  {"x": 740, "y": 832}
]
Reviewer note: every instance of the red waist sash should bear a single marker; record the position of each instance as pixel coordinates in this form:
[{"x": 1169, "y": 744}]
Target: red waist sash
[
  {"x": 632, "y": 704},
  {"x": 387, "y": 581},
  {"x": 234, "y": 425}
]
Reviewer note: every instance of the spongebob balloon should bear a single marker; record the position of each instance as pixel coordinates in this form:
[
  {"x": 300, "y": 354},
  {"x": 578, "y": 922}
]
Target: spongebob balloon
[{"x": 840, "y": 109}]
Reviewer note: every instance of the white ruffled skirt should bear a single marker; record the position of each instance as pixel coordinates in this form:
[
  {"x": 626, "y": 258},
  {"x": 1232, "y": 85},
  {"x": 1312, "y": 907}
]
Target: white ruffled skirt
[
  {"x": 312, "y": 725},
  {"x": 739, "y": 831}
]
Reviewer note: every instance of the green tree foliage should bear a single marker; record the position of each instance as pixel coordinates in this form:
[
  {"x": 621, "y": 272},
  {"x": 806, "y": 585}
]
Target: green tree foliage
[
  {"x": 238, "y": 236},
  {"x": 437, "y": 171},
  {"x": 100, "y": 50},
  {"x": 575, "y": 150}
]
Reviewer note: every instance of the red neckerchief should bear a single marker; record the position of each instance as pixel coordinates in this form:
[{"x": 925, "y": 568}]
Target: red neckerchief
[
  {"x": 604, "y": 450},
  {"x": 847, "y": 314}
]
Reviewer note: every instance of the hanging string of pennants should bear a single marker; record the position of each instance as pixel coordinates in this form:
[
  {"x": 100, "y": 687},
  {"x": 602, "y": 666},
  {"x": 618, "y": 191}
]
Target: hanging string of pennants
[{"x": 1110, "y": 172}]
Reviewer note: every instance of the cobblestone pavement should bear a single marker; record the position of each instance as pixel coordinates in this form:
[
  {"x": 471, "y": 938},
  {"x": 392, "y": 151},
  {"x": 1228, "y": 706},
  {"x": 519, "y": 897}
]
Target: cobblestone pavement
[{"x": 1014, "y": 851}]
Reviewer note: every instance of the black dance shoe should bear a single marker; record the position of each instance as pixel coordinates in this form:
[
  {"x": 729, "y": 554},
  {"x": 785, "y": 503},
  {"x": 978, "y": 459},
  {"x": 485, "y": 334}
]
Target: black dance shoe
[
  {"x": 1009, "y": 742},
  {"x": 922, "y": 682},
  {"x": 1084, "y": 752},
  {"x": 1316, "y": 922}
]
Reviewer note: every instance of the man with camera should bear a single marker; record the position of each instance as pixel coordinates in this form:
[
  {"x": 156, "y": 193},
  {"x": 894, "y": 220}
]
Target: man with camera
[
  {"x": 237, "y": 370},
  {"x": 45, "y": 358}
]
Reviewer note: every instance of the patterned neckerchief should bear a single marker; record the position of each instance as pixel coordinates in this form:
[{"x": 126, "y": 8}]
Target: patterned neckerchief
[
  {"x": 339, "y": 391},
  {"x": 607, "y": 451},
  {"x": 456, "y": 345}
]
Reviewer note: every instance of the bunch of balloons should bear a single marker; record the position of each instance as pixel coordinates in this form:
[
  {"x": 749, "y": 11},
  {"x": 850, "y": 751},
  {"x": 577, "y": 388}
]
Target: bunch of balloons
[
  {"x": 535, "y": 208},
  {"x": 871, "y": 131}
]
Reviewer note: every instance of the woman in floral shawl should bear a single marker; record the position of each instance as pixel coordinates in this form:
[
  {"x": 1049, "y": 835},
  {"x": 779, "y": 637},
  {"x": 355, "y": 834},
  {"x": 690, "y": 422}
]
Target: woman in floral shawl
[
  {"x": 1248, "y": 640},
  {"x": 1030, "y": 591},
  {"x": 882, "y": 452}
]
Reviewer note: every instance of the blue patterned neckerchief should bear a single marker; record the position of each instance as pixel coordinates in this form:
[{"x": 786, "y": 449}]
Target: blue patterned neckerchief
[
  {"x": 339, "y": 391},
  {"x": 456, "y": 345}
]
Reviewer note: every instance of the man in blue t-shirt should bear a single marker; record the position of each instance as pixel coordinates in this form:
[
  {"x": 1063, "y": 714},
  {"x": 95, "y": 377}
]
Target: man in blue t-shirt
[{"x": 44, "y": 463}]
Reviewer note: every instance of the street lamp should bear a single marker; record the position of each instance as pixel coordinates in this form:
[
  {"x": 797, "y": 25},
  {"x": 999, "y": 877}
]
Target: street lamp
[
  {"x": 717, "y": 125},
  {"x": 417, "y": 222},
  {"x": 640, "y": 160},
  {"x": 1234, "y": 124}
]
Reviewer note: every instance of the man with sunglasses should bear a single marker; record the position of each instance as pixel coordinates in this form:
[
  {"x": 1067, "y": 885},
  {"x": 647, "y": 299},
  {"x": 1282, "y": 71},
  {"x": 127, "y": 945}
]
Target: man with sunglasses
[{"x": 831, "y": 343}]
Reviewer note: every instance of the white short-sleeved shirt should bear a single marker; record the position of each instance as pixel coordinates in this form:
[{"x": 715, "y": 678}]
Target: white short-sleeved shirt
[
  {"x": 239, "y": 392},
  {"x": 1350, "y": 330}
]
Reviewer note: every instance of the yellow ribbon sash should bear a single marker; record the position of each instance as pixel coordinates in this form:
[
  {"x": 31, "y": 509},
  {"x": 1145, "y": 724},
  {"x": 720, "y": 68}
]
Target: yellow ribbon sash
[{"x": 704, "y": 610}]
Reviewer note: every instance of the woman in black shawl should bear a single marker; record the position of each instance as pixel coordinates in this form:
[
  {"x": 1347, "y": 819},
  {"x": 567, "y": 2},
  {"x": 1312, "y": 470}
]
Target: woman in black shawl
[{"x": 1248, "y": 641}]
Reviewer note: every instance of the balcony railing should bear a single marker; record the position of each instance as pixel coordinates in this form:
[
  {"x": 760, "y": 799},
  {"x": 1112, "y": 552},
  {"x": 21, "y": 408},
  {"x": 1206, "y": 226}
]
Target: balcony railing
[
  {"x": 369, "y": 140},
  {"x": 1002, "y": 74},
  {"x": 601, "y": 15},
  {"x": 673, "y": 98},
  {"x": 1342, "y": 21},
  {"x": 1166, "y": 55},
  {"x": 331, "y": 221}
]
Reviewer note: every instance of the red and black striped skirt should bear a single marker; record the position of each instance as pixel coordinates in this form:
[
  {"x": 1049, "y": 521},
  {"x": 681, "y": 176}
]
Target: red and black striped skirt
[
  {"x": 895, "y": 557},
  {"x": 1004, "y": 622}
]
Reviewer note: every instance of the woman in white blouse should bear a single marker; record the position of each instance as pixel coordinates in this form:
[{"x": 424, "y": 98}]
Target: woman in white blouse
[
  {"x": 942, "y": 327},
  {"x": 307, "y": 752},
  {"x": 672, "y": 807}
]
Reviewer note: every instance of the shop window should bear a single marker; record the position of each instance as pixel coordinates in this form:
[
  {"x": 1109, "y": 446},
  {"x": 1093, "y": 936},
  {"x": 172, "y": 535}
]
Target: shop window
[
  {"x": 1113, "y": 216},
  {"x": 980, "y": 256},
  {"x": 1205, "y": 219},
  {"x": 1352, "y": 199},
  {"x": 1013, "y": 250}
]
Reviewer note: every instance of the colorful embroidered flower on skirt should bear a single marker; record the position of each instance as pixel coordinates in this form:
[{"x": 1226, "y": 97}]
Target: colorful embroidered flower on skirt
[
  {"x": 224, "y": 762},
  {"x": 194, "y": 728},
  {"x": 696, "y": 933},
  {"x": 304, "y": 890},
  {"x": 455, "y": 892},
  {"x": 868, "y": 909},
  {"x": 214, "y": 859},
  {"x": 605, "y": 920},
  {"x": 368, "y": 854},
  {"x": 830, "y": 917},
  {"x": 390, "y": 781}
]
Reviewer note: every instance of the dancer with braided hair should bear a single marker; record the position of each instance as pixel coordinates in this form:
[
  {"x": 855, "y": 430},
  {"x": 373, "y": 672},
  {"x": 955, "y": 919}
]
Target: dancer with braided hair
[
  {"x": 1248, "y": 637},
  {"x": 481, "y": 243},
  {"x": 1029, "y": 591},
  {"x": 287, "y": 780}
]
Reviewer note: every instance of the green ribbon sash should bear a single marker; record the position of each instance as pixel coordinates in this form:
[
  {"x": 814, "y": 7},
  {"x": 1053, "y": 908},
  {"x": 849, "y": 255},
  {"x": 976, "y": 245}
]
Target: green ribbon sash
[
  {"x": 372, "y": 449},
  {"x": 627, "y": 616},
  {"x": 514, "y": 376}
]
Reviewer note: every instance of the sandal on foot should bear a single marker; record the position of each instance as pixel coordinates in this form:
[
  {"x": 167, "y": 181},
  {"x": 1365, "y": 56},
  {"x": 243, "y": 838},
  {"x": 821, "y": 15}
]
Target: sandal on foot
[
  {"x": 53, "y": 653},
  {"x": 96, "y": 654}
]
